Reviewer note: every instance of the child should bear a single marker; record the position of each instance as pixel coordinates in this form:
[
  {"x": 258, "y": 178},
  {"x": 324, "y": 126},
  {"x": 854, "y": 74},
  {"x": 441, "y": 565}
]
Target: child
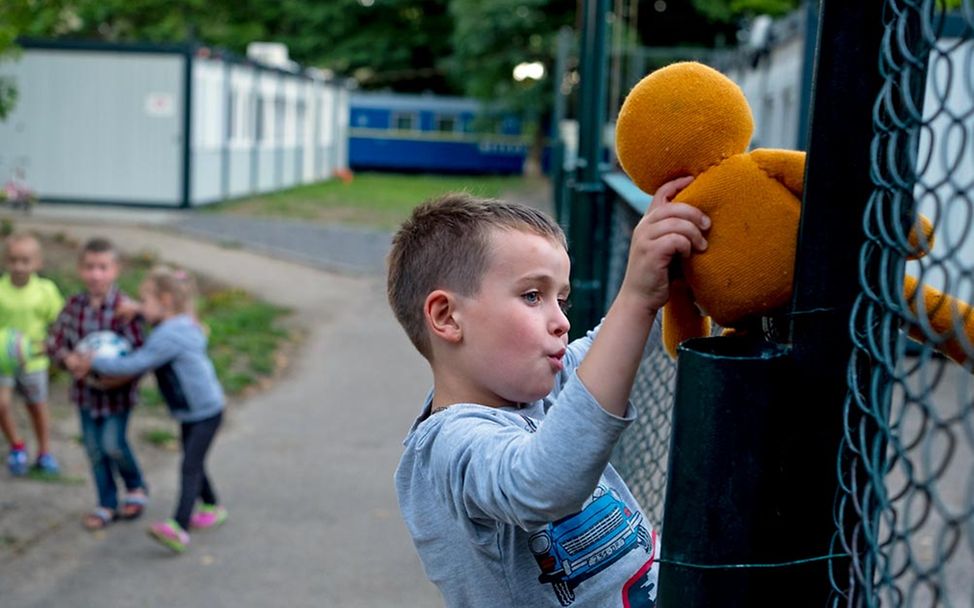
[
  {"x": 103, "y": 410},
  {"x": 176, "y": 350},
  {"x": 28, "y": 304},
  {"x": 505, "y": 483}
]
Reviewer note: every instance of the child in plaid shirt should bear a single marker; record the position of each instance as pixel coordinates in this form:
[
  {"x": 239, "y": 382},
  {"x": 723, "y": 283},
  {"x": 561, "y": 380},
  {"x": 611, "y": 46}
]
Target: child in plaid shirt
[{"x": 103, "y": 409}]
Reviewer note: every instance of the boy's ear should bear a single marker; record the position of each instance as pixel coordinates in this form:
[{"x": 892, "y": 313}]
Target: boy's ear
[{"x": 439, "y": 309}]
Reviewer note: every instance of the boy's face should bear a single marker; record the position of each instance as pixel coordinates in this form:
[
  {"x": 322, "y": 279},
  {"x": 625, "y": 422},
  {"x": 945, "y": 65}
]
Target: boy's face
[
  {"x": 514, "y": 331},
  {"x": 22, "y": 258},
  {"x": 98, "y": 270}
]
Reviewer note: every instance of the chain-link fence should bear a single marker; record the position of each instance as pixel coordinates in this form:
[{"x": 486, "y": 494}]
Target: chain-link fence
[
  {"x": 905, "y": 510},
  {"x": 905, "y": 513}
]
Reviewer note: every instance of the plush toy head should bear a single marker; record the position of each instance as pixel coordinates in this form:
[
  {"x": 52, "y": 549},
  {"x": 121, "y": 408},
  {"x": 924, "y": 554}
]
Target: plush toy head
[{"x": 678, "y": 121}]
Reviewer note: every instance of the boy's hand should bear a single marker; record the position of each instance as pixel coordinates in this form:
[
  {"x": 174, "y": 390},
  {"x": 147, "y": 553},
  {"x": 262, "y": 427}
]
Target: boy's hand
[
  {"x": 78, "y": 364},
  {"x": 128, "y": 309},
  {"x": 666, "y": 231}
]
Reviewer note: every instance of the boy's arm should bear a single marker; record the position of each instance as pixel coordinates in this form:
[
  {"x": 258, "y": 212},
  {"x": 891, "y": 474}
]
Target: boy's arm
[
  {"x": 491, "y": 471},
  {"x": 55, "y": 303},
  {"x": 666, "y": 231},
  {"x": 57, "y": 344}
]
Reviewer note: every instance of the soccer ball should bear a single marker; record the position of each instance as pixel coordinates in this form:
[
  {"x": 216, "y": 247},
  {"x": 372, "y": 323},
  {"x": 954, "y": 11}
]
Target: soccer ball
[
  {"x": 104, "y": 344},
  {"x": 14, "y": 351}
]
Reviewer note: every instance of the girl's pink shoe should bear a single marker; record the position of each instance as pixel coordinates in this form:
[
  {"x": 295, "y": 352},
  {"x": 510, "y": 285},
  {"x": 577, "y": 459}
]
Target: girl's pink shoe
[
  {"x": 170, "y": 534},
  {"x": 208, "y": 516}
]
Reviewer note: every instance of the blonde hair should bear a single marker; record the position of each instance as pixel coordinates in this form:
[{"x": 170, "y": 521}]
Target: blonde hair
[
  {"x": 177, "y": 283},
  {"x": 444, "y": 244},
  {"x": 21, "y": 237}
]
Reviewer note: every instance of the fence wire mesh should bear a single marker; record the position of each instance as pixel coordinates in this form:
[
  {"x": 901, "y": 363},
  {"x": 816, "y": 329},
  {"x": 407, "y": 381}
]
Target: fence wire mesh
[
  {"x": 905, "y": 511},
  {"x": 642, "y": 454}
]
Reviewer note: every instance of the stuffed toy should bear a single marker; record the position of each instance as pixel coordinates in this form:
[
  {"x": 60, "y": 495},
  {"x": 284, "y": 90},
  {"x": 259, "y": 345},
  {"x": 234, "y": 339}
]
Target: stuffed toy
[{"x": 689, "y": 119}]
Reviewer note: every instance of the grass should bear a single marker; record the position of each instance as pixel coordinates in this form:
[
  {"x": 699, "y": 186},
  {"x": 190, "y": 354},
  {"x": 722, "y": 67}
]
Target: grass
[
  {"x": 380, "y": 200},
  {"x": 161, "y": 438},
  {"x": 37, "y": 475},
  {"x": 245, "y": 334}
]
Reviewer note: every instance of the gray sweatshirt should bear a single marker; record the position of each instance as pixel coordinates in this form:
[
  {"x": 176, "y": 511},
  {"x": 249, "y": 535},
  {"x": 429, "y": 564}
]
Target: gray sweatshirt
[
  {"x": 520, "y": 506},
  {"x": 176, "y": 350}
]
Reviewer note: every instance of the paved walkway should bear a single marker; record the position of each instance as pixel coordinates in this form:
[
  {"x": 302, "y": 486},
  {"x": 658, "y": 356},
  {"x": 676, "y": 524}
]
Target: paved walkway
[{"x": 305, "y": 467}]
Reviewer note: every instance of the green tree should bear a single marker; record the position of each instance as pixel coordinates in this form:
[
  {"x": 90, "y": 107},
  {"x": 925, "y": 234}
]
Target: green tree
[
  {"x": 399, "y": 44},
  {"x": 730, "y": 10},
  {"x": 491, "y": 37}
]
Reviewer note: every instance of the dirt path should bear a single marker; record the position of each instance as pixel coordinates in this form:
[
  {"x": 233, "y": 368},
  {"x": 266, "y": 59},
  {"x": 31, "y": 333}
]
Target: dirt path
[{"x": 305, "y": 467}]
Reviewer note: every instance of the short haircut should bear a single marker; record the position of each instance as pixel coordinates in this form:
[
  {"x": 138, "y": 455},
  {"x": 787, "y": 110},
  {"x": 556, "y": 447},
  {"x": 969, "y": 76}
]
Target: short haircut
[
  {"x": 98, "y": 244},
  {"x": 21, "y": 237},
  {"x": 444, "y": 244}
]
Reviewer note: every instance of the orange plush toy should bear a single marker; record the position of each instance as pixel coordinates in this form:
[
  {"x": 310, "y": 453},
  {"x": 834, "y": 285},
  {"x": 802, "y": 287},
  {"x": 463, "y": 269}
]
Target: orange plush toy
[{"x": 689, "y": 119}]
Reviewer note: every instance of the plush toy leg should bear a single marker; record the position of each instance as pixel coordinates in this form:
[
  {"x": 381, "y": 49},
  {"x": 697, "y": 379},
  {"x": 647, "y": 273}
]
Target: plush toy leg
[
  {"x": 920, "y": 247},
  {"x": 681, "y": 319},
  {"x": 947, "y": 315}
]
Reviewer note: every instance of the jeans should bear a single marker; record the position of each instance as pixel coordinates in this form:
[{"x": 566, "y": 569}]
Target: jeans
[
  {"x": 109, "y": 452},
  {"x": 195, "y": 483}
]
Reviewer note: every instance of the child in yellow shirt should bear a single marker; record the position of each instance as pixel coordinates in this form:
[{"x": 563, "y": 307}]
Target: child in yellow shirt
[{"x": 28, "y": 304}]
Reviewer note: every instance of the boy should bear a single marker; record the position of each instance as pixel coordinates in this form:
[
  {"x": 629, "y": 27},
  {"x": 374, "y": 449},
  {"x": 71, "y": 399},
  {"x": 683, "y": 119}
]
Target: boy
[
  {"x": 104, "y": 412},
  {"x": 28, "y": 304},
  {"x": 504, "y": 483}
]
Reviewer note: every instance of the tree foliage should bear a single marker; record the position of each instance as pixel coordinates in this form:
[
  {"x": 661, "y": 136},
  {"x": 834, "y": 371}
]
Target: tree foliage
[
  {"x": 727, "y": 11},
  {"x": 491, "y": 37}
]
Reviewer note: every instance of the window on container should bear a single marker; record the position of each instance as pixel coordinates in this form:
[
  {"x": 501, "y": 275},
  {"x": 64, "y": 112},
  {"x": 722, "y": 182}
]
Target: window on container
[
  {"x": 279, "y": 116},
  {"x": 327, "y": 119},
  {"x": 405, "y": 121},
  {"x": 260, "y": 126},
  {"x": 447, "y": 123},
  {"x": 233, "y": 132},
  {"x": 299, "y": 121}
]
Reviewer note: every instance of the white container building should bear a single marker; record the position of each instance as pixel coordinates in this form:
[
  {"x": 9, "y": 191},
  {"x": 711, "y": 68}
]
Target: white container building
[{"x": 166, "y": 125}]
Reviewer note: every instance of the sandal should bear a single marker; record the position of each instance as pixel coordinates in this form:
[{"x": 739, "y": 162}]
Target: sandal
[
  {"x": 98, "y": 519},
  {"x": 133, "y": 504}
]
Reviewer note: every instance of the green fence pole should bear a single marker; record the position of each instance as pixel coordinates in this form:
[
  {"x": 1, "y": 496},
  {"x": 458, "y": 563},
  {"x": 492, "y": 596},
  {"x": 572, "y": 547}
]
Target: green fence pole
[
  {"x": 558, "y": 177},
  {"x": 589, "y": 215},
  {"x": 847, "y": 82}
]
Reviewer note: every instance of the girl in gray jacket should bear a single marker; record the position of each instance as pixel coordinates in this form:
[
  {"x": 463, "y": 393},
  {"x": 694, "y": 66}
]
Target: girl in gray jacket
[{"x": 176, "y": 351}]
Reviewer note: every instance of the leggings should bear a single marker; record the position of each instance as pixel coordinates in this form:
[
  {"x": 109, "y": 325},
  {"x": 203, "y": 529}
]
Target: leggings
[{"x": 197, "y": 437}]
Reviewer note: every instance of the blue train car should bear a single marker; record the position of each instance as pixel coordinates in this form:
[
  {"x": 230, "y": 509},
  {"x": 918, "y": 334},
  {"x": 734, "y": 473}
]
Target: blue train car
[{"x": 430, "y": 133}]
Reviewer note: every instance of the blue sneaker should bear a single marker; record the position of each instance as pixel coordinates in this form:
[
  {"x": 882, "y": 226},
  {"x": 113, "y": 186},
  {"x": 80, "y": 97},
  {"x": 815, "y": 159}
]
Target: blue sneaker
[
  {"x": 17, "y": 462},
  {"x": 47, "y": 464}
]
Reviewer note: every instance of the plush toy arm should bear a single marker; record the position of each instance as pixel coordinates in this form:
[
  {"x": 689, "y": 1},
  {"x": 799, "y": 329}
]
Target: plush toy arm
[
  {"x": 947, "y": 315},
  {"x": 681, "y": 320},
  {"x": 786, "y": 166}
]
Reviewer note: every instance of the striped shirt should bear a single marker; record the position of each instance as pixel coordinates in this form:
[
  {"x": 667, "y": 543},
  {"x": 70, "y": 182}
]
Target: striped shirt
[{"x": 78, "y": 319}]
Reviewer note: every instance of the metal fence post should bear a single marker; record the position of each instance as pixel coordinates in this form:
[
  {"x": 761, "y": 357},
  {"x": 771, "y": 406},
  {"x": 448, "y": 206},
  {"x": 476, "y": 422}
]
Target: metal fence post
[
  {"x": 589, "y": 214},
  {"x": 557, "y": 169},
  {"x": 847, "y": 81}
]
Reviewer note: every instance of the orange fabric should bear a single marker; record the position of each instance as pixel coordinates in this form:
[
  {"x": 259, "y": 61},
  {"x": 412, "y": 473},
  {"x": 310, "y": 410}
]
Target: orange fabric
[
  {"x": 689, "y": 119},
  {"x": 946, "y": 315}
]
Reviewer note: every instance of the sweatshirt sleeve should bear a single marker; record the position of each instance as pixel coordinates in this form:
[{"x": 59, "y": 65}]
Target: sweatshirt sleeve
[
  {"x": 159, "y": 348},
  {"x": 489, "y": 470}
]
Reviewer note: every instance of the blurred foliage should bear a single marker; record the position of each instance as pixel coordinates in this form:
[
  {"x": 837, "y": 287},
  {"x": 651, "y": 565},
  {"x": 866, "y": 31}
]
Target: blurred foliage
[
  {"x": 731, "y": 10},
  {"x": 491, "y": 37}
]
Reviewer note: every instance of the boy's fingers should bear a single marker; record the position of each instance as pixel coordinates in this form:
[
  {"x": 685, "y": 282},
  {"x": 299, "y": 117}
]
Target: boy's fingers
[
  {"x": 667, "y": 191},
  {"x": 677, "y": 225},
  {"x": 681, "y": 210}
]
